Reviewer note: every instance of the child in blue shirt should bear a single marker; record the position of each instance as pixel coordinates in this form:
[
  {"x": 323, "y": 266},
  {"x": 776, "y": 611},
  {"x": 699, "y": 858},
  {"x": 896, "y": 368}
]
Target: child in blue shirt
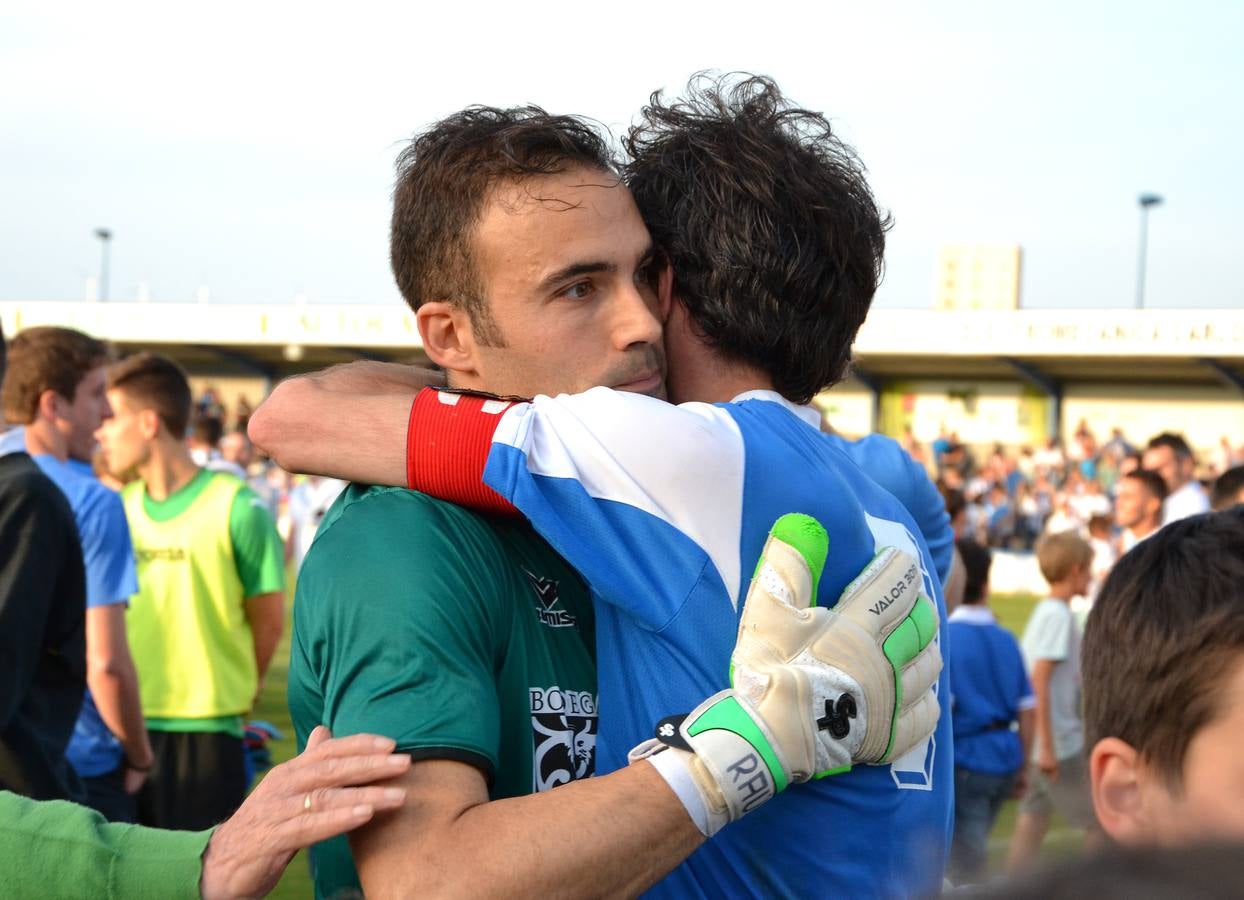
[{"x": 989, "y": 693}]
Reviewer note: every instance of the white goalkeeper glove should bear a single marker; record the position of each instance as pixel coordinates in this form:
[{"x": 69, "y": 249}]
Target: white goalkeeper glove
[{"x": 815, "y": 690}]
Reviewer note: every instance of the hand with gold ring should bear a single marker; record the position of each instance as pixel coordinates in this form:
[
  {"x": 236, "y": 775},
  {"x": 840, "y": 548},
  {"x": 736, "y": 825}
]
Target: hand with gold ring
[{"x": 325, "y": 791}]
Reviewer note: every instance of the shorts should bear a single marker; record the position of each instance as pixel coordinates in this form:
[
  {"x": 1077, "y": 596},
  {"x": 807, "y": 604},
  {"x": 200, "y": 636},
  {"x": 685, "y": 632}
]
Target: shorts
[
  {"x": 1069, "y": 795},
  {"x": 199, "y": 779}
]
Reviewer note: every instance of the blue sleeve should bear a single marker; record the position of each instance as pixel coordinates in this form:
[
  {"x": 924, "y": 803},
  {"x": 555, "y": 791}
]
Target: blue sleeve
[
  {"x": 885, "y": 461},
  {"x": 107, "y": 550},
  {"x": 929, "y": 510}
]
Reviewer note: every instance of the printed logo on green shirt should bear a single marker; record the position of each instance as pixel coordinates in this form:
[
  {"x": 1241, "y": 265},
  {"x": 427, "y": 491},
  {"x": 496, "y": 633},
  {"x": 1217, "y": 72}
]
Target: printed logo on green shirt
[
  {"x": 546, "y": 592},
  {"x": 563, "y": 726}
]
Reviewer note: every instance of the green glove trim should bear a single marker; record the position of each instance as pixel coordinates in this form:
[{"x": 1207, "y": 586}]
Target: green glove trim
[
  {"x": 904, "y": 644},
  {"x": 728, "y": 715}
]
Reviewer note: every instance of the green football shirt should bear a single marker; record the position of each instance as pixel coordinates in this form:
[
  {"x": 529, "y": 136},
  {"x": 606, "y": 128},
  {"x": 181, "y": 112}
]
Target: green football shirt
[{"x": 460, "y": 637}]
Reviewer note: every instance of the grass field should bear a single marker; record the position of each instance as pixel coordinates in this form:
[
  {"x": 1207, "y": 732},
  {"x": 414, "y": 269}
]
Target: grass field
[{"x": 1012, "y": 611}]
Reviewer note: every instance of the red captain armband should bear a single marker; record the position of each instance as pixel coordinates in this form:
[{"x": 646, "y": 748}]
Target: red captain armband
[{"x": 447, "y": 444}]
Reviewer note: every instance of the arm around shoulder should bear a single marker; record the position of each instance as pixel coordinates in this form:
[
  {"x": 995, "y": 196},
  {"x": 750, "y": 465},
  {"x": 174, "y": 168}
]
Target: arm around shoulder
[{"x": 346, "y": 422}]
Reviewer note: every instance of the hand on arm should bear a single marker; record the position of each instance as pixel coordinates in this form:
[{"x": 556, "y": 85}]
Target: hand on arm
[
  {"x": 113, "y": 682},
  {"x": 347, "y": 422},
  {"x": 248, "y": 852}
]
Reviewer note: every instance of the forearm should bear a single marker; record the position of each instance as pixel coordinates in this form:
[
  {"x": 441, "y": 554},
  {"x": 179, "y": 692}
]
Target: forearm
[
  {"x": 267, "y": 637},
  {"x": 610, "y": 836},
  {"x": 1027, "y": 718},
  {"x": 346, "y": 422},
  {"x": 114, "y": 688}
]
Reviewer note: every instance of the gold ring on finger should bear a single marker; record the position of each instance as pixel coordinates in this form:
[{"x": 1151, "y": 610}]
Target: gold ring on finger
[{"x": 306, "y": 803}]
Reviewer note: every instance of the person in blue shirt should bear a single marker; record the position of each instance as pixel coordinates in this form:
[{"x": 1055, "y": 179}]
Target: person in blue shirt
[
  {"x": 992, "y": 714},
  {"x": 54, "y": 387},
  {"x": 659, "y": 506}
]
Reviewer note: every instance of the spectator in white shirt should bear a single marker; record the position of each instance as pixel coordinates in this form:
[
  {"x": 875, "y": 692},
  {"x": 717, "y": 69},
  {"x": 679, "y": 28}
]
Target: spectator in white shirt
[{"x": 1170, "y": 456}]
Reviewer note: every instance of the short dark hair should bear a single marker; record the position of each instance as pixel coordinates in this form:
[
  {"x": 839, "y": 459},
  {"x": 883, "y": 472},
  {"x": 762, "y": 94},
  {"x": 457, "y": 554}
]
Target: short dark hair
[
  {"x": 1154, "y": 483},
  {"x": 444, "y": 179},
  {"x": 1228, "y": 489},
  {"x": 46, "y": 358},
  {"x": 1172, "y": 440},
  {"x": 976, "y": 563},
  {"x": 208, "y": 430},
  {"x": 1165, "y": 632},
  {"x": 1201, "y": 871},
  {"x": 155, "y": 382},
  {"x": 953, "y": 498},
  {"x": 775, "y": 239}
]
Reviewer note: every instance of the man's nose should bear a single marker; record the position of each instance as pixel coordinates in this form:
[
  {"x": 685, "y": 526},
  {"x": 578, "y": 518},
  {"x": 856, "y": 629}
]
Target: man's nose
[{"x": 635, "y": 321}]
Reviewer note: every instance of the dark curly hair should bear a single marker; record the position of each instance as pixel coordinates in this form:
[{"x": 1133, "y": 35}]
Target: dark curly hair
[
  {"x": 774, "y": 236},
  {"x": 444, "y": 178}
]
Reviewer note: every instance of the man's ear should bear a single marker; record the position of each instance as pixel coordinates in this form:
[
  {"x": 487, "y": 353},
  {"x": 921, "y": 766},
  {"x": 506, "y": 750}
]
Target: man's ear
[
  {"x": 50, "y": 404},
  {"x": 448, "y": 338},
  {"x": 1117, "y": 780},
  {"x": 149, "y": 423},
  {"x": 665, "y": 292}
]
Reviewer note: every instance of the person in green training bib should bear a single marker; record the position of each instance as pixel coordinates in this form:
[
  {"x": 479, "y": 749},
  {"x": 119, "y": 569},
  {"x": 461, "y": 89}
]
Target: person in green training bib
[{"x": 210, "y": 606}]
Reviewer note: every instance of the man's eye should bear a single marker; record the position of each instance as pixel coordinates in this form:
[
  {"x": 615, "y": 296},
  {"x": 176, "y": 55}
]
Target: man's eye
[{"x": 579, "y": 291}]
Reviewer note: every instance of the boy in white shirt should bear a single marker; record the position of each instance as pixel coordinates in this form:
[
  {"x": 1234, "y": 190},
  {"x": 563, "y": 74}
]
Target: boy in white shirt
[{"x": 1051, "y": 646}]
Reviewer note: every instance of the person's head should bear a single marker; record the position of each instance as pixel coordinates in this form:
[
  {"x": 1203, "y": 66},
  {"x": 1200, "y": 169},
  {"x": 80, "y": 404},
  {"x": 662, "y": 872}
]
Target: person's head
[
  {"x": 773, "y": 235},
  {"x": 1163, "y": 681},
  {"x": 1228, "y": 489},
  {"x": 1099, "y": 527},
  {"x": 206, "y": 432},
  {"x": 1169, "y": 455},
  {"x": 524, "y": 257},
  {"x": 236, "y": 447},
  {"x": 1065, "y": 560},
  {"x": 976, "y": 562},
  {"x": 956, "y": 505},
  {"x": 150, "y": 399},
  {"x": 1138, "y": 500},
  {"x": 55, "y": 385}
]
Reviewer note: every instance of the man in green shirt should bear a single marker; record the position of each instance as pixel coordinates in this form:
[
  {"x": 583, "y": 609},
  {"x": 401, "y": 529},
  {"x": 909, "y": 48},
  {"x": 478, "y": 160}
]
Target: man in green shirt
[{"x": 210, "y": 607}]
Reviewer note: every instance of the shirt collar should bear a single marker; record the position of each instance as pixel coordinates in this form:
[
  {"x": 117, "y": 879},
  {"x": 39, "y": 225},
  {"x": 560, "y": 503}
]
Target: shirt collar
[
  {"x": 973, "y": 614},
  {"x": 808, "y": 413},
  {"x": 13, "y": 441}
]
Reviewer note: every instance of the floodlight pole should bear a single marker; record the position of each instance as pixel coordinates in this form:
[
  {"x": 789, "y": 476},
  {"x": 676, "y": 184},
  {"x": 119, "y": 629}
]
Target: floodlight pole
[
  {"x": 105, "y": 239},
  {"x": 1146, "y": 201}
]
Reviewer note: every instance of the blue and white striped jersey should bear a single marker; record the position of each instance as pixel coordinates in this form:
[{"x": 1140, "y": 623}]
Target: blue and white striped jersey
[{"x": 664, "y": 510}]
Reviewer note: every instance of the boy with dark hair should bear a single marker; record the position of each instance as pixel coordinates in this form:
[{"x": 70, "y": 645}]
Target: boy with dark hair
[
  {"x": 1051, "y": 645},
  {"x": 1164, "y": 686},
  {"x": 55, "y": 388},
  {"x": 42, "y": 630},
  {"x": 210, "y": 606},
  {"x": 1139, "y": 495},
  {"x": 1228, "y": 489},
  {"x": 992, "y": 714}
]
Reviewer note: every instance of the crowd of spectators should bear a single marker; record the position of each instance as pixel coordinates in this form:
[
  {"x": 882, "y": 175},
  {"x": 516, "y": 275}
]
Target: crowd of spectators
[{"x": 1006, "y": 499}]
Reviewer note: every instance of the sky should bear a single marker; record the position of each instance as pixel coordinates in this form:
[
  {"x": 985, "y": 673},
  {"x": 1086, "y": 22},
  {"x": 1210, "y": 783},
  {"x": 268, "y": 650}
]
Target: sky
[{"x": 243, "y": 152}]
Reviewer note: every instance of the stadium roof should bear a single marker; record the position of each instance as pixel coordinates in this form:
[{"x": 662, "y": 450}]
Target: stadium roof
[{"x": 1042, "y": 347}]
